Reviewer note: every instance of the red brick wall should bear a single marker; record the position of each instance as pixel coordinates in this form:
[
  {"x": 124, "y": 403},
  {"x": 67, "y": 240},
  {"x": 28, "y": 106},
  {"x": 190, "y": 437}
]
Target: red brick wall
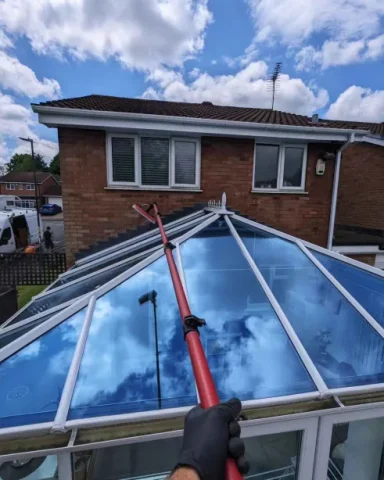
[
  {"x": 93, "y": 213},
  {"x": 360, "y": 201}
]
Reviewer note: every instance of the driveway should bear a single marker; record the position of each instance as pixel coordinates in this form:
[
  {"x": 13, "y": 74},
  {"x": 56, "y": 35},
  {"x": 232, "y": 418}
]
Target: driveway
[{"x": 56, "y": 223}]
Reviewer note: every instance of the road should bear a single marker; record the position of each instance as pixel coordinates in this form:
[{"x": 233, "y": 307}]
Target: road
[{"x": 57, "y": 227}]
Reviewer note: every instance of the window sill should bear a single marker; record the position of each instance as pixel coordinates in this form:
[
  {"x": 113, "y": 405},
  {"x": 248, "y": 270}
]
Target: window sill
[
  {"x": 156, "y": 189},
  {"x": 279, "y": 192}
]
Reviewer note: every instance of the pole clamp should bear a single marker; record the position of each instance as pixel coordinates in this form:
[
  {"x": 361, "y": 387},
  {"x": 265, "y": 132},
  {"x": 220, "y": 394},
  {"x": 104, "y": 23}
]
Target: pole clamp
[
  {"x": 169, "y": 246},
  {"x": 192, "y": 323}
]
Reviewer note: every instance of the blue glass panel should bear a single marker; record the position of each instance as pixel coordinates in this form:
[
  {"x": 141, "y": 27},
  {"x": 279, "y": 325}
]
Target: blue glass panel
[
  {"x": 343, "y": 346},
  {"x": 118, "y": 373},
  {"x": 247, "y": 348},
  {"x": 9, "y": 337},
  {"x": 366, "y": 287},
  {"x": 31, "y": 380}
]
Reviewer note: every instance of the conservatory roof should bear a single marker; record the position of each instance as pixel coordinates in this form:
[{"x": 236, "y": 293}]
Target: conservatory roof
[{"x": 286, "y": 320}]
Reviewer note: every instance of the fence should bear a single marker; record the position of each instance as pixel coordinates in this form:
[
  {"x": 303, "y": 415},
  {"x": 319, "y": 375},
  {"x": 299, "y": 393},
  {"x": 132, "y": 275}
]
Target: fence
[{"x": 30, "y": 268}]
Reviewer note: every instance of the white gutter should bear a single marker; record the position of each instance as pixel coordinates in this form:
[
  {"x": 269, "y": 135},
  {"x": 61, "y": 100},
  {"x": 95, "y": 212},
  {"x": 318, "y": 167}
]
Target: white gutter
[
  {"x": 335, "y": 190},
  {"x": 61, "y": 117},
  {"x": 358, "y": 249}
]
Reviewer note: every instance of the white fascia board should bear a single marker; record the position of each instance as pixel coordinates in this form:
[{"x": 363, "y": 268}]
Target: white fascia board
[
  {"x": 373, "y": 139},
  {"x": 357, "y": 249},
  {"x": 71, "y": 117}
]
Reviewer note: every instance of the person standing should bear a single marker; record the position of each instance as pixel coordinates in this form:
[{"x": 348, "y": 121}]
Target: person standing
[{"x": 48, "y": 242}]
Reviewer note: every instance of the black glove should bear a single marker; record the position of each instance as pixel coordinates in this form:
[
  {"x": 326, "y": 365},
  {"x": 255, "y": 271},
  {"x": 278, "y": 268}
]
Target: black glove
[{"x": 211, "y": 435}]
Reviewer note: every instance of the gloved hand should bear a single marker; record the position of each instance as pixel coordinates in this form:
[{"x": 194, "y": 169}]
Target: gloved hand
[{"x": 211, "y": 435}]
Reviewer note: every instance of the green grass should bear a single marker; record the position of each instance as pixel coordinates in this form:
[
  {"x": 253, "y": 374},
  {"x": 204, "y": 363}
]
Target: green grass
[{"x": 26, "y": 292}]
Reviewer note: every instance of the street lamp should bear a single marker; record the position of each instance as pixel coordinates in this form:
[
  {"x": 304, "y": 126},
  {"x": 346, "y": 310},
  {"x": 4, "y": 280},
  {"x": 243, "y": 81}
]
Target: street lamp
[
  {"x": 151, "y": 297},
  {"x": 34, "y": 179}
]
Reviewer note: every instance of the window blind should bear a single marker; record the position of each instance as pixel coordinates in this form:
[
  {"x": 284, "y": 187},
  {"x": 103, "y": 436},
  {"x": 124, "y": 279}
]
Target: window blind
[
  {"x": 185, "y": 162},
  {"x": 154, "y": 161},
  {"x": 123, "y": 159}
]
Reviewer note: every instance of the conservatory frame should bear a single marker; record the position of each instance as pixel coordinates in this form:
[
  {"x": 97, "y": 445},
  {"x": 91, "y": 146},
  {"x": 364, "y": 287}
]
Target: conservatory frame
[{"x": 314, "y": 413}]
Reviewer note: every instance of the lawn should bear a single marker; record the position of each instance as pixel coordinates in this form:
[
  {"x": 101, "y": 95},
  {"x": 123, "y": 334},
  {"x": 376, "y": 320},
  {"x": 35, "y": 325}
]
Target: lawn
[{"x": 26, "y": 292}]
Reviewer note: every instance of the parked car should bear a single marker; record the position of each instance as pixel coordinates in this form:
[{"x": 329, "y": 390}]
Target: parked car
[{"x": 50, "y": 209}]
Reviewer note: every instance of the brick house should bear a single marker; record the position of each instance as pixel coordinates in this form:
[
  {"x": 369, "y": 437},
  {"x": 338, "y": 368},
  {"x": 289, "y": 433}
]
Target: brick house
[
  {"x": 22, "y": 185},
  {"x": 278, "y": 168}
]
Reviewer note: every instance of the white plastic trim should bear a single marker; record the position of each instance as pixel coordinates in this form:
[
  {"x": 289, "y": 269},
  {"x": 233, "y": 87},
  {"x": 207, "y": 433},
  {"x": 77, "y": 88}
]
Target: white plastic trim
[
  {"x": 301, "y": 351},
  {"x": 70, "y": 382},
  {"x": 7, "y": 327},
  {"x": 138, "y": 238},
  {"x": 64, "y": 463},
  {"x": 310, "y": 245},
  {"x": 367, "y": 316}
]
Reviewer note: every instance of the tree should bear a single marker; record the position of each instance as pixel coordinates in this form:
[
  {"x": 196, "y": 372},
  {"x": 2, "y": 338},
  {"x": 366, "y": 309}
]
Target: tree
[
  {"x": 54, "y": 166},
  {"x": 22, "y": 162}
]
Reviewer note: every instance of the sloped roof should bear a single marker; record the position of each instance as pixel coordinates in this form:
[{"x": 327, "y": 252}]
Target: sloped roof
[
  {"x": 285, "y": 319},
  {"x": 204, "y": 110},
  {"x": 24, "y": 177}
]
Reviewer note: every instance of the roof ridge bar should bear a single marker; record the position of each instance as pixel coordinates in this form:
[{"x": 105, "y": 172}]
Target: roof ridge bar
[
  {"x": 352, "y": 300},
  {"x": 6, "y": 327},
  {"x": 317, "y": 248},
  {"x": 82, "y": 302},
  {"x": 70, "y": 382},
  {"x": 298, "y": 346},
  {"x": 143, "y": 236},
  {"x": 147, "y": 241}
]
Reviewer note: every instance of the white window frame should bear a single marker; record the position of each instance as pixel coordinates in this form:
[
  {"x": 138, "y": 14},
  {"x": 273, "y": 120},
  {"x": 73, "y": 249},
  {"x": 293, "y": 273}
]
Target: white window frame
[
  {"x": 197, "y": 162},
  {"x": 309, "y": 427},
  {"x": 10, "y": 186},
  {"x": 30, "y": 186},
  {"x": 137, "y": 184},
  {"x": 325, "y": 433},
  {"x": 280, "y": 167},
  {"x": 21, "y": 186}
]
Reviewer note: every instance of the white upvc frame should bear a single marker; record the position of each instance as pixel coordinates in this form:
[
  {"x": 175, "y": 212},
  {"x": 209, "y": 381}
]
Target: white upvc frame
[
  {"x": 30, "y": 186},
  {"x": 21, "y": 186},
  {"x": 197, "y": 143},
  {"x": 280, "y": 167},
  {"x": 138, "y": 184},
  {"x": 136, "y": 147},
  {"x": 10, "y": 186},
  {"x": 325, "y": 434}
]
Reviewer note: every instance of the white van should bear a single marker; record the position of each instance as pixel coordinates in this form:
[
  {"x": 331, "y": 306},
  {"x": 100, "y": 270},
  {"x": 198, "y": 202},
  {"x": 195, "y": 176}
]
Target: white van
[
  {"x": 18, "y": 229},
  {"x": 9, "y": 202}
]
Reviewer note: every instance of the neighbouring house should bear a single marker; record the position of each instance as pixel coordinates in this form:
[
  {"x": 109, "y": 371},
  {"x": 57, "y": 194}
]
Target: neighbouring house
[
  {"x": 52, "y": 194},
  {"x": 359, "y": 229},
  {"x": 22, "y": 185},
  {"x": 278, "y": 168}
]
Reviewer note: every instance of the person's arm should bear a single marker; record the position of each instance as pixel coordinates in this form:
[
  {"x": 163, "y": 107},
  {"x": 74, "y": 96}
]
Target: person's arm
[
  {"x": 185, "y": 473},
  {"x": 210, "y": 435}
]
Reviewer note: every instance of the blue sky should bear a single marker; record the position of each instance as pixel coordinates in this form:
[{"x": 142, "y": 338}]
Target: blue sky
[{"x": 189, "y": 50}]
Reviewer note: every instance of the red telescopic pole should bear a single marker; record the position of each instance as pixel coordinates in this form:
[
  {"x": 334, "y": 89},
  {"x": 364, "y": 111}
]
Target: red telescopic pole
[{"x": 204, "y": 381}]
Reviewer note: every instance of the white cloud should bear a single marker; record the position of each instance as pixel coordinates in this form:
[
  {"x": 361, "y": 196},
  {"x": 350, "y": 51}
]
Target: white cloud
[
  {"x": 22, "y": 80},
  {"x": 333, "y": 53},
  {"x": 248, "y": 87},
  {"x": 360, "y": 104},
  {"x": 18, "y": 121},
  {"x": 5, "y": 42},
  {"x": 140, "y": 34},
  {"x": 294, "y": 22}
]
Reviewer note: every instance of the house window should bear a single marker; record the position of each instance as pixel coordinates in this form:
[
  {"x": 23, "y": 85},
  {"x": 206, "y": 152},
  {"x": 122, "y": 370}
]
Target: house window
[
  {"x": 152, "y": 161},
  {"x": 279, "y": 167},
  {"x": 21, "y": 186},
  {"x": 30, "y": 186},
  {"x": 11, "y": 186}
]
